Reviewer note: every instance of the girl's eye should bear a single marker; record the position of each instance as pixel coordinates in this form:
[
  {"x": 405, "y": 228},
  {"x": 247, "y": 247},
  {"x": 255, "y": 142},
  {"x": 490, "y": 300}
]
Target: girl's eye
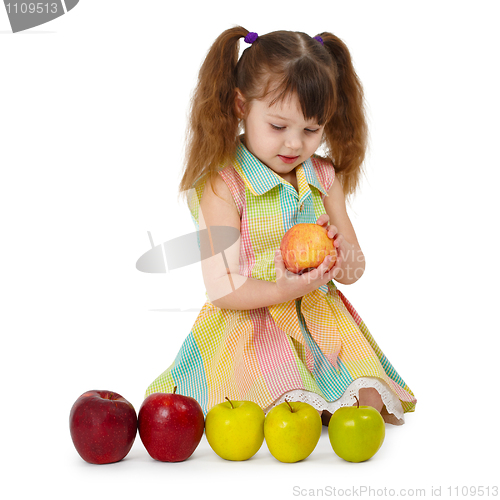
[{"x": 311, "y": 131}]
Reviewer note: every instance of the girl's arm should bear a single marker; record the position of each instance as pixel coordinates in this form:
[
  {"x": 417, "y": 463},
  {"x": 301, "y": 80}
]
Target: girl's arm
[
  {"x": 226, "y": 288},
  {"x": 345, "y": 240}
]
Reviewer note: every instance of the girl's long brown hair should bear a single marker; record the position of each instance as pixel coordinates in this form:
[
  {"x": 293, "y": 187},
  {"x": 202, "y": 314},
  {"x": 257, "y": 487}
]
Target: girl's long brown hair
[{"x": 279, "y": 63}]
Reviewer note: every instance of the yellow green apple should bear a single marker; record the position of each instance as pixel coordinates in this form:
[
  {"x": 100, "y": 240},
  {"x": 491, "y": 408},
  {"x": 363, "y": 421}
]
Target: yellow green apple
[
  {"x": 235, "y": 429},
  {"x": 292, "y": 431},
  {"x": 356, "y": 432},
  {"x": 305, "y": 246}
]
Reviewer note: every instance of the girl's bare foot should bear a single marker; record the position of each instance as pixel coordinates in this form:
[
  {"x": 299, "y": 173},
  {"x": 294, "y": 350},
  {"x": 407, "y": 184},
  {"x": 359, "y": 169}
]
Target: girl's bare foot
[
  {"x": 369, "y": 396},
  {"x": 390, "y": 418},
  {"x": 325, "y": 417}
]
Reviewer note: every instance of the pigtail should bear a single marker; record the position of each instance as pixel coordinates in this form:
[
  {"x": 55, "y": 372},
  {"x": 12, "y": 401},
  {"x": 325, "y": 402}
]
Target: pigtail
[
  {"x": 213, "y": 124},
  {"x": 346, "y": 133}
]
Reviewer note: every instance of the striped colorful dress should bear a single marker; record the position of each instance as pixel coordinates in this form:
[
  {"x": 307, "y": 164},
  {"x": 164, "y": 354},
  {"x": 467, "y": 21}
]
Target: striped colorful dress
[{"x": 315, "y": 348}]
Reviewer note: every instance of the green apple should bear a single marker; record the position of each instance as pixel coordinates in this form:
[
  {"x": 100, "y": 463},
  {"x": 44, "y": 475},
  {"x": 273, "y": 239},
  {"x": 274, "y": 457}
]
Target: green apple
[
  {"x": 292, "y": 431},
  {"x": 235, "y": 429},
  {"x": 356, "y": 432}
]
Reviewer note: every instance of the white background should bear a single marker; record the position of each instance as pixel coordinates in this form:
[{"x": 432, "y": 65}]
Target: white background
[{"x": 92, "y": 119}]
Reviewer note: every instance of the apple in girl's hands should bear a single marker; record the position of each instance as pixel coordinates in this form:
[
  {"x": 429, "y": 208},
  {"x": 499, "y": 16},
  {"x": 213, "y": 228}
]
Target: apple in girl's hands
[
  {"x": 304, "y": 247},
  {"x": 356, "y": 432},
  {"x": 235, "y": 429},
  {"x": 292, "y": 431},
  {"x": 103, "y": 426},
  {"x": 170, "y": 426}
]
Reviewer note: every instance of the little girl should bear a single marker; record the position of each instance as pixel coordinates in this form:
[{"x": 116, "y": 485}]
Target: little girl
[{"x": 266, "y": 334}]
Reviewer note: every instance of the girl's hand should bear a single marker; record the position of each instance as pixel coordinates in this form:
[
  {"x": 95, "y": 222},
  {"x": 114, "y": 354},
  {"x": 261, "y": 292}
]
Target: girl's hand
[
  {"x": 338, "y": 240},
  {"x": 291, "y": 285}
]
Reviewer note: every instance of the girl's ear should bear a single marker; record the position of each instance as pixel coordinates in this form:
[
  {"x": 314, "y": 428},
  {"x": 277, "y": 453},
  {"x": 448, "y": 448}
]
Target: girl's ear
[{"x": 240, "y": 104}]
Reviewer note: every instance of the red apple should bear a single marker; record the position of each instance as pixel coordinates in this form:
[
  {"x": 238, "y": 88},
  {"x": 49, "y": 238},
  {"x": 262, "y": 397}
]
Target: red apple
[
  {"x": 103, "y": 426},
  {"x": 305, "y": 246},
  {"x": 171, "y": 426}
]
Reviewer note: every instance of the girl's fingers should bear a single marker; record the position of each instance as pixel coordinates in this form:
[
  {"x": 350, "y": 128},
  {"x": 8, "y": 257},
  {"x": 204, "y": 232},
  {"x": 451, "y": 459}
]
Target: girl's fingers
[
  {"x": 279, "y": 264},
  {"x": 335, "y": 265},
  {"x": 332, "y": 232},
  {"x": 338, "y": 264},
  {"x": 323, "y": 219},
  {"x": 325, "y": 265}
]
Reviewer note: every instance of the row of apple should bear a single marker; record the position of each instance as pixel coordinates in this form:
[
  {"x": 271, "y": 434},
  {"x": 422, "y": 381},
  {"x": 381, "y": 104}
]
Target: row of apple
[{"x": 103, "y": 428}]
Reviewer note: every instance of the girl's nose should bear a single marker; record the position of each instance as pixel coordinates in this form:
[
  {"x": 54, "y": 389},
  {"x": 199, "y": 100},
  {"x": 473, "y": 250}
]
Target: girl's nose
[{"x": 292, "y": 142}]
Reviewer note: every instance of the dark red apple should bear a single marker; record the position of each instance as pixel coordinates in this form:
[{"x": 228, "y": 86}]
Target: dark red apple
[
  {"x": 103, "y": 426},
  {"x": 171, "y": 426}
]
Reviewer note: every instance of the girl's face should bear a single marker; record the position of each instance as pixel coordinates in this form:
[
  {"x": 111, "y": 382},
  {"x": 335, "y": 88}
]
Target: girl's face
[{"x": 279, "y": 135}]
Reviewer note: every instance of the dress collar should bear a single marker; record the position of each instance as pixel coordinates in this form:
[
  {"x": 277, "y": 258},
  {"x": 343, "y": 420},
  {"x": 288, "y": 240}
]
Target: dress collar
[{"x": 259, "y": 178}]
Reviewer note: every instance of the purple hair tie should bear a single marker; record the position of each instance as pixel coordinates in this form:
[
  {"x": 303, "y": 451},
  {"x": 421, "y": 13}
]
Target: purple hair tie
[
  {"x": 320, "y": 40},
  {"x": 251, "y": 37}
]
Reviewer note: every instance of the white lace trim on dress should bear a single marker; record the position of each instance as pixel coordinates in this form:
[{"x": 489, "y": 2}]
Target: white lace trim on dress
[{"x": 389, "y": 398}]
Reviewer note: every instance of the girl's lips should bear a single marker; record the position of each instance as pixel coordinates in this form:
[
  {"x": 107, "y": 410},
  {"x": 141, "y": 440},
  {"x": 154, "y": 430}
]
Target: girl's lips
[{"x": 288, "y": 159}]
